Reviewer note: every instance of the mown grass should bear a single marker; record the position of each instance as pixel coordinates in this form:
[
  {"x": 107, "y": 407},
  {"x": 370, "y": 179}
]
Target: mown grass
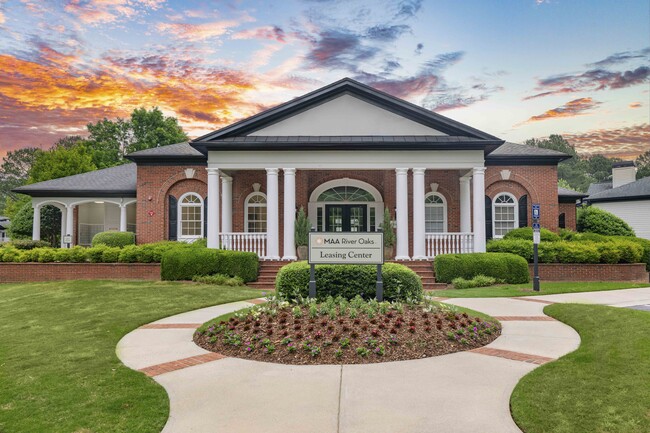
[
  {"x": 546, "y": 288},
  {"x": 603, "y": 387},
  {"x": 58, "y": 367}
]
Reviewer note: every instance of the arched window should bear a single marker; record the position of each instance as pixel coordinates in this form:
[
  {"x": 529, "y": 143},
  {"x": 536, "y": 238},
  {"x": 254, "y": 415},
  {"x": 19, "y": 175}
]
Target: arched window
[
  {"x": 190, "y": 223},
  {"x": 504, "y": 214},
  {"x": 435, "y": 217},
  {"x": 255, "y": 213}
]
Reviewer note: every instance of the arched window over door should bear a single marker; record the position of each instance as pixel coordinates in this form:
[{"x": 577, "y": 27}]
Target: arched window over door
[
  {"x": 255, "y": 213},
  {"x": 504, "y": 214},
  {"x": 435, "y": 216},
  {"x": 190, "y": 223}
]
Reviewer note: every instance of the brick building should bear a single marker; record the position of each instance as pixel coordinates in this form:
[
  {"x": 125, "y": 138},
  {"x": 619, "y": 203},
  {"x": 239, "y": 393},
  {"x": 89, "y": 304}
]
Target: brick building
[{"x": 344, "y": 153}]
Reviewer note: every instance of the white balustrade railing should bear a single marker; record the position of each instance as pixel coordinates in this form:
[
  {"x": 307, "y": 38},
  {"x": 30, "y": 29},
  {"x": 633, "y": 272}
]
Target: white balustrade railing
[
  {"x": 250, "y": 242},
  {"x": 449, "y": 243}
]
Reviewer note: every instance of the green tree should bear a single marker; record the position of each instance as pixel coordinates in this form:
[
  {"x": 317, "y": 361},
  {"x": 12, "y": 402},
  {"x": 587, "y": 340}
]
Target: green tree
[
  {"x": 573, "y": 170},
  {"x": 60, "y": 162},
  {"x": 643, "y": 165},
  {"x": 14, "y": 172}
]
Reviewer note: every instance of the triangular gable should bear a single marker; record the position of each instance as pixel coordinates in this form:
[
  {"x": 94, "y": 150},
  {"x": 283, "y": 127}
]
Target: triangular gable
[{"x": 435, "y": 124}]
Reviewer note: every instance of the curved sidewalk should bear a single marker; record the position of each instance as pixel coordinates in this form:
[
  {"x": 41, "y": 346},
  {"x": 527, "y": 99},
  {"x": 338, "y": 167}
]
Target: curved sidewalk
[{"x": 460, "y": 392}]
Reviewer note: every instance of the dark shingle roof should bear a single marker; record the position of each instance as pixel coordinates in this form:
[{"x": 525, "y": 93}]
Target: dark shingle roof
[
  {"x": 595, "y": 188},
  {"x": 514, "y": 153},
  {"x": 569, "y": 196},
  {"x": 108, "y": 182},
  {"x": 638, "y": 190},
  {"x": 179, "y": 152}
]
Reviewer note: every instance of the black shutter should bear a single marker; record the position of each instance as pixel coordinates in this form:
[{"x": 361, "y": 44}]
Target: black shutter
[
  {"x": 523, "y": 211},
  {"x": 488, "y": 218},
  {"x": 173, "y": 218},
  {"x": 205, "y": 217},
  {"x": 562, "y": 222}
]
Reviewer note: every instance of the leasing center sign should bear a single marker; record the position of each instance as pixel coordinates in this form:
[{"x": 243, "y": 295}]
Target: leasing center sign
[{"x": 346, "y": 248}]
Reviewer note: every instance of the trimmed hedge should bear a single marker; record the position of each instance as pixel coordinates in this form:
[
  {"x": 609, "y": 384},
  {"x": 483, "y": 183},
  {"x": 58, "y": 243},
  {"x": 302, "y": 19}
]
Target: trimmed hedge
[
  {"x": 509, "y": 268},
  {"x": 594, "y": 220},
  {"x": 348, "y": 281},
  {"x": 28, "y": 244},
  {"x": 478, "y": 281},
  {"x": 113, "y": 239},
  {"x": 187, "y": 263},
  {"x": 526, "y": 233}
]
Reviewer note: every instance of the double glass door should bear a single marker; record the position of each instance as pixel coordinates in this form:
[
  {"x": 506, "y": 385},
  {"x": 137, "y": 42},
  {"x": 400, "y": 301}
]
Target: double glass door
[{"x": 346, "y": 218}]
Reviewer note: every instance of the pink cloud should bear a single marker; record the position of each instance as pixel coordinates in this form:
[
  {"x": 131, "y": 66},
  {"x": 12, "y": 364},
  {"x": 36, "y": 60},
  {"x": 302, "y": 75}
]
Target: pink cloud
[
  {"x": 198, "y": 32},
  {"x": 577, "y": 107},
  {"x": 268, "y": 32}
]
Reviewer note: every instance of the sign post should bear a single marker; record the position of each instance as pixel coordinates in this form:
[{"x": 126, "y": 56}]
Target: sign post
[
  {"x": 67, "y": 240},
  {"x": 536, "y": 239},
  {"x": 335, "y": 248}
]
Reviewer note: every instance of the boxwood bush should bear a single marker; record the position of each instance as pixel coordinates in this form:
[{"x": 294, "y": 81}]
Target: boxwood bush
[
  {"x": 113, "y": 239},
  {"x": 526, "y": 233},
  {"x": 594, "y": 220},
  {"x": 509, "y": 268},
  {"x": 348, "y": 281},
  {"x": 28, "y": 244},
  {"x": 187, "y": 263}
]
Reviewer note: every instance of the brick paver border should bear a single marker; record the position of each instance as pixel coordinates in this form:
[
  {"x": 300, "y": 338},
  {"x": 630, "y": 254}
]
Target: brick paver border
[
  {"x": 179, "y": 364},
  {"x": 525, "y": 318},
  {"x": 515, "y": 356},
  {"x": 171, "y": 326},
  {"x": 256, "y": 301}
]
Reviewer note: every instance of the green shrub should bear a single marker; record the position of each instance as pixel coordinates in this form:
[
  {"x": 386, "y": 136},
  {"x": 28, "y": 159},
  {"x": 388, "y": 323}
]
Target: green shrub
[
  {"x": 111, "y": 254},
  {"x": 348, "y": 281},
  {"x": 129, "y": 254},
  {"x": 219, "y": 280},
  {"x": 643, "y": 243},
  {"x": 631, "y": 252},
  {"x": 186, "y": 263},
  {"x": 577, "y": 252},
  {"x": 95, "y": 254},
  {"x": 547, "y": 252},
  {"x": 609, "y": 253},
  {"x": 477, "y": 281},
  {"x": 387, "y": 228},
  {"x": 10, "y": 254},
  {"x": 63, "y": 255},
  {"x": 594, "y": 220},
  {"x": 567, "y": 235},
  {"x": 506, "y": 267},
  {"x": 520, "y": 247},
  {"x": 526, "y": 233},
  {"x": 590, "y": 237},
  {"x": 302, "y": 228},
  {"x": 28, "y": 256},
  {"x": 28, "y": 244},
  {"x": 78, "y": 254},
  {"x": 45, "y": 255},
  {"x": 113, "y": 239}
]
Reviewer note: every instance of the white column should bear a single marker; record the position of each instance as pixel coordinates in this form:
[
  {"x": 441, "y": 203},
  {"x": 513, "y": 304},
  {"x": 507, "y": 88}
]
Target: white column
[
  {"x": 272, "y": 217},
  {"x": 213, "y": 208},
  {"x": 69, "y": 224},
  {"x": 122, "y": 218},
  {"x": 226, "y": 204},
  {"x": 289, "y": 245},
  {"x": 419, "y": 242},
  {"x": 36, "y": 224},
  {"x": 465, "y": 210},
  {"x": 478, "y": 196},
  {"x": 64, "y": 222},
  {"x": 402, "y": 214}
]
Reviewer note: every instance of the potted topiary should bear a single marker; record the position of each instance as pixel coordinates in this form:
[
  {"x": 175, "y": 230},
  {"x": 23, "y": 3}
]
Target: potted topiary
[
  {"x": 389, "y": 236},
  {"x": 302, "y": 228}
]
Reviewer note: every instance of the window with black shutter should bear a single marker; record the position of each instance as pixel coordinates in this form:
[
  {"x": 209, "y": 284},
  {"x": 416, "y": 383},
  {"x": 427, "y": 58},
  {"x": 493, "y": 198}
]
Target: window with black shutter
[
  {"x": 173, "y": 218},
  {"x": 523, "y": 211},
  {"x": 488, "y": 218}
]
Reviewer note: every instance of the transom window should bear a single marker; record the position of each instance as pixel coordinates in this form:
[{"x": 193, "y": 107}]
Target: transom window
[
  {"x": 346, "y": 193},
  {"x": 255, "y": 218},
  {"x": 504, "y": 214},
  {"x": 191, "y": 216},
  {"x": 435, "y": 217}
]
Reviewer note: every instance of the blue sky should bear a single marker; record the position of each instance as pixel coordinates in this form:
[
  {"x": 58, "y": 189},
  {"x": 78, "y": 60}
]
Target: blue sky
[{"x": 514, "y": 68}]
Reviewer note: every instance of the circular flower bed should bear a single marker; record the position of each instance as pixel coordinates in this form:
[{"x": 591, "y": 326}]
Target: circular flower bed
[{"x": 338, "y": 331}]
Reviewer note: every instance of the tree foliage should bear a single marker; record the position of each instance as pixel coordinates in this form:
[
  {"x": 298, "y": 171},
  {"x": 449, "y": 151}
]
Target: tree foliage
[
  {"x": 14, "y": 172},
  {"x": 643, "y": 165}
]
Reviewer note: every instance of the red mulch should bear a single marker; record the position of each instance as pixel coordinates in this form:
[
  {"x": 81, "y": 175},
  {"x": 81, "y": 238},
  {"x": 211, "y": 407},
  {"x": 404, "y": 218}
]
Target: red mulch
[{"x": 392, "y": 336}]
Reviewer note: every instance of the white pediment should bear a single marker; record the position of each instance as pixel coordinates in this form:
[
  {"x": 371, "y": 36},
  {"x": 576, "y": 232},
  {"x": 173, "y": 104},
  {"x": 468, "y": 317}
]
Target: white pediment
[{"x": 346, "y": 115}]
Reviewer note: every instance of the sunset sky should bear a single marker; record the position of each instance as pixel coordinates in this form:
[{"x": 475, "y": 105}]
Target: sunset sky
[{"x": 517, "y": 69}]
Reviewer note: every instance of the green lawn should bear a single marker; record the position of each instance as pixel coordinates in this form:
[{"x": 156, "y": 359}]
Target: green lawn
[
  {"x": 58, "y": 368},
  {"x": 546, "y": 288},
  {"x": 603, "y": 387}
]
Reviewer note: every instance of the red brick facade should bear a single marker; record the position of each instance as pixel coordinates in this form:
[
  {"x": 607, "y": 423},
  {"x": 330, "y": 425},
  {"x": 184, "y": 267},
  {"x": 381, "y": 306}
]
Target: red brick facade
[
  {"x": 569, "y": 210},
  {"x": 156, "y": 182},
  {"x": 27, "y": 272},
  {"x": 635, "y": 272}
]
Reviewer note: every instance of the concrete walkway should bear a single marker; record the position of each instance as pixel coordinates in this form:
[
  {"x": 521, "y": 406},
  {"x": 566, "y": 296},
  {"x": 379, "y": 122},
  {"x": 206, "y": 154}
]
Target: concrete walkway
[{"x": 460, "y": 392}]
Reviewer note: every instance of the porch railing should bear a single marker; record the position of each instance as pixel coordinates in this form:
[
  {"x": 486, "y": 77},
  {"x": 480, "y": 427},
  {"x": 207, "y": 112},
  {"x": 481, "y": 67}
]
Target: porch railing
[
  {"x": 449, "y": 243},
  {"x": 251, "y": 242},
  {"x": 87, "y": 231}
]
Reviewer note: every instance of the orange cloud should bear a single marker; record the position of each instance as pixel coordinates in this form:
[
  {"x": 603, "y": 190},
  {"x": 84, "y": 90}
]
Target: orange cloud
[
  {"x": 198, "y": 32},
  {"x": 577, "y": 107},
  {"x": 627, "y": 143},
  {"x": 635, "y": 105},
  {"x": 108, "y": 11},
  {"x": 2, "y": 18}
]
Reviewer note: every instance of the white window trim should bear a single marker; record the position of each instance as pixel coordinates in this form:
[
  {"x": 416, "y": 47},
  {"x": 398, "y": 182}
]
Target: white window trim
[
  {"x": 251, "y": 195},
  {"x": 444, "y": 208},
  {"x": 516, "y": 206},
  {"x": 179, "y": 223}
]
